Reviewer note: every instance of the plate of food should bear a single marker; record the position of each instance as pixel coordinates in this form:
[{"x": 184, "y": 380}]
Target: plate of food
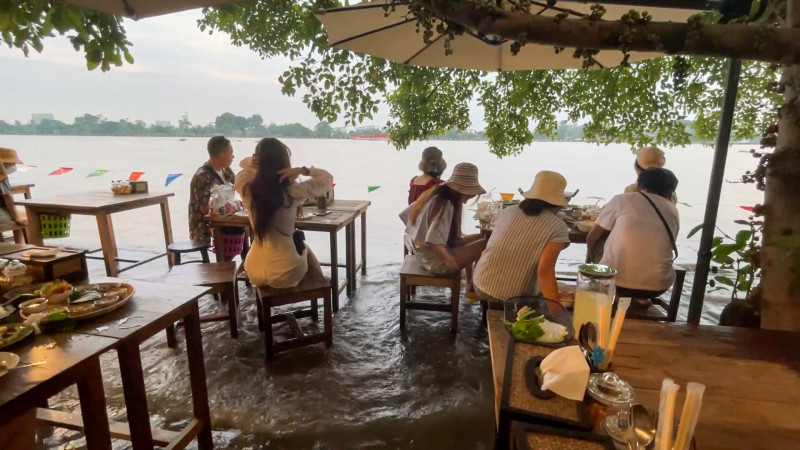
[
  {"x": 56, "y": 292},
  {"x": 538, "y": 320},
  {"x": 12, "y": 333},
  {"x": 89, "y": 301}
]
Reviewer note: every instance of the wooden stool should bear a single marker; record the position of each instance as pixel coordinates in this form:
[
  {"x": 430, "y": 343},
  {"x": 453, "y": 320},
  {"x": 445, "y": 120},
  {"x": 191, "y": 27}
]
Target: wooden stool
[
  {"x": 221, "y": 278},
  {"x": 412, "y": 274},
  {"x": 311, "y": 288},
  {"x": 653, "y": 312},
  {"x": 176, "y": 249}
]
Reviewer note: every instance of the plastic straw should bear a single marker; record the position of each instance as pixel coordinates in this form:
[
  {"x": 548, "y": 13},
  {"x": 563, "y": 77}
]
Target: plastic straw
[
  {"x": 616, "y": 328},
  {"x": 689, "y": 416},
  {"x": 666, "y": 414},
  {"x": 602, "y": 332}
]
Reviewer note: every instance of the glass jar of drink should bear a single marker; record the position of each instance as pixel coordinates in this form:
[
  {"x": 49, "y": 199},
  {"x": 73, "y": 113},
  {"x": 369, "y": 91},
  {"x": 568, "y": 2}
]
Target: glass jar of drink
[{"x": 595, "y": 287}]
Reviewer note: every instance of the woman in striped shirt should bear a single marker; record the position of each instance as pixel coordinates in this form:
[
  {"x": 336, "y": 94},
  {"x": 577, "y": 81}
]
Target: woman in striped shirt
[{"x": 520, "y": 258}]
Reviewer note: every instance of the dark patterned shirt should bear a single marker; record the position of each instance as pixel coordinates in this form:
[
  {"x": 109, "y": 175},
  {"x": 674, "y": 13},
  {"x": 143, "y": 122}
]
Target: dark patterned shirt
[{"x": 200, "y": 192}]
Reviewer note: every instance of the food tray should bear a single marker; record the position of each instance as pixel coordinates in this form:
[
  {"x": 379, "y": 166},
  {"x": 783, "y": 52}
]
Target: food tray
[{"x": 95, "y": 310}]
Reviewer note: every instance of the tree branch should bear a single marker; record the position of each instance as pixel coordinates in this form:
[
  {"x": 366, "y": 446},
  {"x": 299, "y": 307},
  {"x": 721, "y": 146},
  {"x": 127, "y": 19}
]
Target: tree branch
[{"x": 760, "y": 43}]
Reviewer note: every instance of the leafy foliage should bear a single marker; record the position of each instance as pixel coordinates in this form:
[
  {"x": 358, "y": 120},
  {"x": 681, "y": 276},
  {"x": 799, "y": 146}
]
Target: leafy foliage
[
  {"x": 24, "y": 24},
  {"x": 641, "y": 103}
]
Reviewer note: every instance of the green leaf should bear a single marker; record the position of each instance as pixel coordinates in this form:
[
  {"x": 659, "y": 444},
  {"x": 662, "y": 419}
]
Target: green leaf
[
  {"x": 128, "y": 57},
  {"x": 724, "y": 280},
  {"x": 743, "y": 236},
  {"x": 694, "y": 231}
]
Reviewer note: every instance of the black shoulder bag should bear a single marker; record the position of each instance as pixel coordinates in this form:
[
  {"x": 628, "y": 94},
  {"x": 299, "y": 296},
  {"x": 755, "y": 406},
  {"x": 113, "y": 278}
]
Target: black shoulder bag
[{"x": 666, "y": 226}]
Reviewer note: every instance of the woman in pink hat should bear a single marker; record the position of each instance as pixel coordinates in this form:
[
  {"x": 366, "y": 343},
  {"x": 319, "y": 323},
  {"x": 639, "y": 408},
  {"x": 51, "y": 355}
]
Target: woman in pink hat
[{"x": 433, "y": 225}]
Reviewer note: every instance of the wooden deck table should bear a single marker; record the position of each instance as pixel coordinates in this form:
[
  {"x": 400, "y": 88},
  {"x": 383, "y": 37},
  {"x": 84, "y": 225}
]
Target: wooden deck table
[
  {"x": 75, "y": 359},
  {"x": 331, "y": 223},
  {"x": 100, "y": 204},
  {"x": 751, "y": 377},
  {"x": 7, "y": 247},
  {"x": 154, "y": 307},
  {"x": 359, "y": 206}
]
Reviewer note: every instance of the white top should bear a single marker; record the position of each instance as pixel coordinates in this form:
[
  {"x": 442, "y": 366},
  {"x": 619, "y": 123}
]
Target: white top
[
  {"x": 429, "y": 228},
  {"x": 274, "y": 261},
  {"x": 508, "y": 266},
  {"x": 638, "y": 246}
]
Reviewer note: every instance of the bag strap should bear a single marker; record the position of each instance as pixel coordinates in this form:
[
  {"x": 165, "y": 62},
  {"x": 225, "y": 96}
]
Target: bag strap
[{"x": 666, "y": 226}]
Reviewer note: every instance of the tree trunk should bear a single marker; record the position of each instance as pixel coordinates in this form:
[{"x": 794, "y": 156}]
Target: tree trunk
[
  {"x": 781, "y": 253},
  {"x": 753, "y": 42}
]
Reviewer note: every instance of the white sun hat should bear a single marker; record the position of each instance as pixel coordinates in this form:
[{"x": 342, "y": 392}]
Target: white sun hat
[
  {"x": 548, "y": 186},
  {"x": 650, "y": 158}
]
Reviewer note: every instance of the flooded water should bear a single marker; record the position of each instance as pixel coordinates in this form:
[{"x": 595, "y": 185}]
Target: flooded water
[{"x": 376, "y": 387}]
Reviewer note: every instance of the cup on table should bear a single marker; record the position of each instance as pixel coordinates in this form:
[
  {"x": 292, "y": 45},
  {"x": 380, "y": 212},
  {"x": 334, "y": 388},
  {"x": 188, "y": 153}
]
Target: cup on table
[{"x": 322, "y": 203}]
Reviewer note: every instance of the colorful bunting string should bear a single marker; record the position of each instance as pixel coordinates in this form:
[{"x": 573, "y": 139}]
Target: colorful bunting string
[
  {"x": 135, "y": 176},
  {"x": 61, "y": 171},
  {"x": 96, "y": 173},
  {"x": 171, "y": 177},
  {"x": 372, "y": 188}
]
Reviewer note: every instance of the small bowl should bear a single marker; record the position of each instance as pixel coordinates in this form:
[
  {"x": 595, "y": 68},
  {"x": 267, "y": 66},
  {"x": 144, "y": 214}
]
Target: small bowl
[
  {"x": 506, "y": 197},
  {"x": 106, "y": 301},
  {"x": 7, "y": 362},
  {"x": 34, "y": 306},
  {"x": 585, "y": 226},
  {"x": 60, "y": 299}
]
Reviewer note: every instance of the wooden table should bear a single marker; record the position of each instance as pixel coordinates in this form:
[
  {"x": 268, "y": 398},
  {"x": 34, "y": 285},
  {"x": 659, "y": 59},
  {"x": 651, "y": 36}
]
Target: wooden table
[
  {"x": 100, "y": 204},
  {"x": 360, "y": 207},
  {"x": 24, "y": 189},
  {"x": 752, "y": 400},
  {"x": 331, "y": 224},
  {"x": 73, "y": 360},
  {"x": 154, "y": 307},
  {"x": 7, "y": 247}
]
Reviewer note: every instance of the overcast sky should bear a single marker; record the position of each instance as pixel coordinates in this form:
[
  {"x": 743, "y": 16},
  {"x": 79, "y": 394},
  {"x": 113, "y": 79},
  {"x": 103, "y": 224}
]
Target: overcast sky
[{"x": 177, "y": 69}]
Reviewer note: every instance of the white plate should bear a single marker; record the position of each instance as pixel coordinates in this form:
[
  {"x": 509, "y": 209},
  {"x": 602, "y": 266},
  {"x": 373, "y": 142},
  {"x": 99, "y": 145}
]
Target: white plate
[
  {"x": 9, "y": 360},
  {"x": 241, "y": 213}
]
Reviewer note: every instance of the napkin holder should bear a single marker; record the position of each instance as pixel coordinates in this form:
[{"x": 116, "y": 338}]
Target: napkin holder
[{"x": 138, "y": 187}]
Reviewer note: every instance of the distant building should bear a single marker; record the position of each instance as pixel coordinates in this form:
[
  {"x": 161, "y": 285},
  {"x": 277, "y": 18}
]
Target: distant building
[
  {"x": 38, "y": 118},
  {"x": 163, "y": 123}
]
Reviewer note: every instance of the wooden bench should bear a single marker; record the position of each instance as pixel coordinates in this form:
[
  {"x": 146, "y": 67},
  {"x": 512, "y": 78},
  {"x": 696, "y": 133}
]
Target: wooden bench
[
  {"x": 412, "y": 274},
  {"x": 311, "y": 288},
  {"x": 176, "y": 249},
  {"x": 660, "y": 310},
  {"x": 221, "y": 278}
]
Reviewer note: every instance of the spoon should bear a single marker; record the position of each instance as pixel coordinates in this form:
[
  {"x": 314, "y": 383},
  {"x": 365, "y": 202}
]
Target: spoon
[{"x": 644, "y": 425}]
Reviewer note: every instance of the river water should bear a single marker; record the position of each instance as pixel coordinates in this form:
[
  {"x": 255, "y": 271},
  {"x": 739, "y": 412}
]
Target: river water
[{"x": 377, "y": 387}]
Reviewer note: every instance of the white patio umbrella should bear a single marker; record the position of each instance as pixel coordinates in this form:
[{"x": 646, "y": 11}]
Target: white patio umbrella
[
  {"x": 138, "y": 9},
  {"x": 366, "y": 28}
]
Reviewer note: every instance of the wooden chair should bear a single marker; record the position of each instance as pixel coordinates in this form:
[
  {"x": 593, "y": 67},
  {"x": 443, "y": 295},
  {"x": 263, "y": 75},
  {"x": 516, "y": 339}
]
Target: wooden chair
[
  {"x": 412, "y": 274},
  {"x": 176, "y": 249},
  {"x": 20, "y": 232},
  {"x": 660, "y": 310},
  {"x": 221, "y": 278},
  {"x": 311, "y": 288}
]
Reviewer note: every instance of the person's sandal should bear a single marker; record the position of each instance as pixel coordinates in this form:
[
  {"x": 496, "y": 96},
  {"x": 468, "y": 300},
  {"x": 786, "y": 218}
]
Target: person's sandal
[{"x": 472, "y": 297}]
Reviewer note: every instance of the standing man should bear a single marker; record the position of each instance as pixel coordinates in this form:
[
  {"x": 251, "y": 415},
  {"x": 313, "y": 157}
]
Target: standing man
[{"x": 216, "y": 171}]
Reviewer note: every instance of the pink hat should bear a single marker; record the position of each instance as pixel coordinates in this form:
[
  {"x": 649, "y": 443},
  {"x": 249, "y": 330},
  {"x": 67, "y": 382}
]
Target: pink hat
[{"x": 464, "y": 180}]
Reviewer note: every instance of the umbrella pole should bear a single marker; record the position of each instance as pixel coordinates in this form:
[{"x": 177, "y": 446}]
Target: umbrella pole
[{"x": 714, "y": 190}]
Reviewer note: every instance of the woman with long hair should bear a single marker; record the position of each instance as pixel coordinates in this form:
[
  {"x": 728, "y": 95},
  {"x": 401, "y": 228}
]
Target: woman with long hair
[
  {"x": 271, "y": 193},
  {"x": 433, "y": 225},
  {"x": 520, "y": 257},
  {"x": 432, "y": 166}
]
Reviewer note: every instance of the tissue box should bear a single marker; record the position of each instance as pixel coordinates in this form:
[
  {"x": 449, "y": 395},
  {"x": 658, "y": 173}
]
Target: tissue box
[
  {"x": 67, "y": 265},
  {"x": 138, "y": 187}
]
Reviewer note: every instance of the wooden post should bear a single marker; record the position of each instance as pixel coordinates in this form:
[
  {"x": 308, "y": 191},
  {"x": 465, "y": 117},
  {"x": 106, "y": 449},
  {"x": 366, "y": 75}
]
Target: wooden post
[
  {"x": 109, "y": 243},
  {"x": 197, "y": 377},
  {"x": 166, "y": 221}
]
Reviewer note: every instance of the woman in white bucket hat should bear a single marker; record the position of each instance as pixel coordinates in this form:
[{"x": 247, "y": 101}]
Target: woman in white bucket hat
[
  {"x": 433, "y": 224},
  {"x": 650, "y": 157},
  {"x": 520, "y": 257},
  {"x": 8, "y": 165}
]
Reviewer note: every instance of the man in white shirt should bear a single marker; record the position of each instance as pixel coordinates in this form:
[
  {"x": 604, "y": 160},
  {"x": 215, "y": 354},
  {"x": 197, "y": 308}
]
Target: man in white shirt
[{"x": 639, "y": 243}]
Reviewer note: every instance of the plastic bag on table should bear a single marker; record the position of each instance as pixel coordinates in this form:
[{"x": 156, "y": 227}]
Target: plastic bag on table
[{"x": 223, "y": 200}]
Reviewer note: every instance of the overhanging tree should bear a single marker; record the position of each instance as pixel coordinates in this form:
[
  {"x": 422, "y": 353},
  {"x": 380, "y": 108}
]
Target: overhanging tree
[{"x": 639, "y": 103}]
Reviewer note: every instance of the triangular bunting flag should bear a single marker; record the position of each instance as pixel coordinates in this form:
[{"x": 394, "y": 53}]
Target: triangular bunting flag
[
  {"x": 372, "y": 188},
  {"x": 135, "y": 176},
  {"x": 61, "y": 171},
  {"x": 96, "y": 173},
  {"x": 171, "y": 177}
]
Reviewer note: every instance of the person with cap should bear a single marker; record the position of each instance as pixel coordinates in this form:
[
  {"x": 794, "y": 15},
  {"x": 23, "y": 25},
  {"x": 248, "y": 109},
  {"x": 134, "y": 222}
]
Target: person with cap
[
  {"x": 648, "y": 158},
  {"x": 432, "y": 166},
  {"x": 640, "y": 231},
  {"x": 8, "y": 210},
  {"x": 433, "y": 225},
  {"x": 520, "y": 257}
]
